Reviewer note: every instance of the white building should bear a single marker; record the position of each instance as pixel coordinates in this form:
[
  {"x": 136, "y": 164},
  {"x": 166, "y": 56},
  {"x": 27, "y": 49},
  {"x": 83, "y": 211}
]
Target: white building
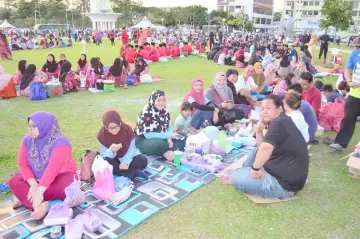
[
  {"x": 307, "y": 14},
  {"x": 260, "y": 11}
]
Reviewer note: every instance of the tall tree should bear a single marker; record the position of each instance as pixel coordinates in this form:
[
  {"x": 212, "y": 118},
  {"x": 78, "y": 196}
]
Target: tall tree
[
  {"x": 131, "y": 11},
  {"x": 336, "y": 13},
  {"x": 239, "y": 21},
  {"x": 277, "y": 16}
]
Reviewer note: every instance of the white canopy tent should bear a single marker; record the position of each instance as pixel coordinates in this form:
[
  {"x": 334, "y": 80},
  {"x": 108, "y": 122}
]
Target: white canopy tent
[
  {"x": 145, "y": 23},
  {"x": 6, "y": 25}
]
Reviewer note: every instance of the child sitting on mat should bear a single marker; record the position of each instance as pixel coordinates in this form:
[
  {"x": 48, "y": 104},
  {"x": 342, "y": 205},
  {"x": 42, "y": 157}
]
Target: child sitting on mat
[{"x": 182, "y": 122}]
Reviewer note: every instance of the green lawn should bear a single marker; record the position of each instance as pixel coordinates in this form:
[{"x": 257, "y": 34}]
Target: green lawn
[{"x": 327, "y": 207}]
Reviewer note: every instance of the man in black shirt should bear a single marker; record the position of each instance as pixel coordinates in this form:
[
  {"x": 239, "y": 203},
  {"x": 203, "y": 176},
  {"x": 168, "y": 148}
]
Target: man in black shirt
[
  {"x": 279, "y": 167},
  {"x": 232, "y": 77},
  {"x": 212, "y": 39},
  {"x": 304, "y": 39},
  {"x": 324, "y": 40}
]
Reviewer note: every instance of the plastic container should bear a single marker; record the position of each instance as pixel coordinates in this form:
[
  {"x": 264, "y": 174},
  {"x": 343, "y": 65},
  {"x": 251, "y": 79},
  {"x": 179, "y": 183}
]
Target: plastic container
[
  {"x": 177, "y": 157},
  {"x": 222, "y": 139},
  {"x": 55, "y": 232}
]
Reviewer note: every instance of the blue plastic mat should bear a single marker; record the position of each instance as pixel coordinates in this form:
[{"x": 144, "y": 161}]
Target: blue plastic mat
[{"x": 167, "y": 184}]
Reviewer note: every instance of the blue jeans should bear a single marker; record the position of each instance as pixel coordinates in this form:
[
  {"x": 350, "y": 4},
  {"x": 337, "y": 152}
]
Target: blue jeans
[
  {"x": 199, "y": 118},
  {"x": 268, "y": 186}
]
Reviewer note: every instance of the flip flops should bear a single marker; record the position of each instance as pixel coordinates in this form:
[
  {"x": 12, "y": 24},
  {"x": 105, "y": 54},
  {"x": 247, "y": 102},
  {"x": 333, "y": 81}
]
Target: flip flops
[{"x": 337, "y": 147}]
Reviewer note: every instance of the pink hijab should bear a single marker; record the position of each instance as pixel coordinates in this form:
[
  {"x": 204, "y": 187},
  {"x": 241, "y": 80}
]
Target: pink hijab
[
  {"x": 4, "y": 78},
  {"x": 269, "y": 74},
  {"x": 197, "y": 96}
]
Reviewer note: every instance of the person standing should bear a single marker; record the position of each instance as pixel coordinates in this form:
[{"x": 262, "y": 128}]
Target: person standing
[
  {"x": 324, "y": 40},
  {"x": 112, "y": 38},
  {"x": 352, "y": 104},
  {"x": 212, "y": 39},
  {"x": 5, "y": 52},
  {"x": 304, "y": 39},
  {"x": 124, "y": 37}
]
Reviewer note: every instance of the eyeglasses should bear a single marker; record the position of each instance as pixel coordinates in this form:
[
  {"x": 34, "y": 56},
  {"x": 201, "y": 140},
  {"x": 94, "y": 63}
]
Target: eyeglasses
[
  {"x": 31, "y": 127},
  {"x": 115, "y": 128}
]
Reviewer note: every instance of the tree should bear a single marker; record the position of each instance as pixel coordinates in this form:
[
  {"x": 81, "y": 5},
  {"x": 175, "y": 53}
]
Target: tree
[
  {"x": 131, "y": 11},
  {"x": 336, "y": 13},
  {"x": 5, "y": 14},
  {"x": 277, "y": 16},
  {"x": 239, "y": 21}
]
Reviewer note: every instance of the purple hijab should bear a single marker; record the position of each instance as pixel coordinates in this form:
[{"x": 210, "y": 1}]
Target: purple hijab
[{"x": 39, "y": 150}]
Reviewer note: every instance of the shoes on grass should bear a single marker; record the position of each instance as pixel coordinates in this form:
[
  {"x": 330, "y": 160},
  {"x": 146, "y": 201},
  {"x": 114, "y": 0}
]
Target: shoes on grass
[
  {"x": 327, "y": 141},
  {"x": 337, "y": 147},
  {"x": 314, "y": 142}
]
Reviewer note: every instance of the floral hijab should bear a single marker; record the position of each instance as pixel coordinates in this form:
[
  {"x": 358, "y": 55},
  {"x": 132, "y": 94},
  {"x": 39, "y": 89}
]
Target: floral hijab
[
  {"x": 151, "y": 119},
  {"x": 259, "y": 79}
]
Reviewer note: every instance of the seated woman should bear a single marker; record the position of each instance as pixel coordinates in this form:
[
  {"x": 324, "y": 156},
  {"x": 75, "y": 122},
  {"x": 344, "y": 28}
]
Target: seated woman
[
  {"x": 292, "y": 102},
  {"x": 94, "y": 73},
  {"x": 29, "y": 77},
  {"x": 220, "y": 94},
  {"x": 125, "y": 72},
  {"x": 82, "y": 65},
  {"x": 270, "y": 74},
  {"x": 115, "y": 72},
  {"x": 154, "y": 131},
  {"x": 308, "y": 112},
  {"x": 62, "y": 59},
  {"x": 276, "y": 168},
  {"x": 117, "y": 146},
  {"x": 20, "y": 71},
  {"x": 141, "y": 68},
  {"x": 46, "y": 165},
  {"x": 7, "y": 85},
  {"x": 69, "y": 79},
  {"x": 285, "y": 67},
  {"x": 202, "y": 108},
  {"x": 282, "y": 88},
  {"x": 301, "y": 67},
  {"x": 260, "y": 81},
  {"x": 50, "y": 69},
  {"x": 268, "y": 59}
]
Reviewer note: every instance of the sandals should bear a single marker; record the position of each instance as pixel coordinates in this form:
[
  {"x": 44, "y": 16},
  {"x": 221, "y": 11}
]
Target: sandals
[{"x": 337, "y": 147}]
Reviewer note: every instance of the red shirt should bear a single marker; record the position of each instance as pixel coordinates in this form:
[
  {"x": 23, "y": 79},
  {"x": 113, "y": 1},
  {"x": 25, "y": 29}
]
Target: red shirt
[
  {"x": 154, "y": 54},
  {"x": 186, "y": 48},
  {"x": 112, "y": 35},
  {"x": 130, "y": 55},
  {"x": 145, "y": 54},
  {"x": 124, "y": 37},
  {"x": 175, "y": 51},
  {"x": 138, "y": 34},
  {"x": 313, "y": 97},
  {"x": 162, "y": 51},
  {"x": 167, "y": 51}
]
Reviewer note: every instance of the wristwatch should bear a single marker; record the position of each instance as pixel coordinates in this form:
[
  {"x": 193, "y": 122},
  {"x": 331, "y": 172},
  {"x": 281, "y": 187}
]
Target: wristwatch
[{"x": 255, "y": 169}]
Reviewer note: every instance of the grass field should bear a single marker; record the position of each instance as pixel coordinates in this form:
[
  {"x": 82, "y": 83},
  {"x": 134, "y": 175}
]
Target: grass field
[{"x": 327, "y": 207}]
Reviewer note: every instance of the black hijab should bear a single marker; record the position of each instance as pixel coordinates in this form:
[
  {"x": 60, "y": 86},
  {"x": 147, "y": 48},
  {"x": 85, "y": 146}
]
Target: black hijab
[
  {"x": 28, "y": 76},
  {"x": 96, "y": 65},
  {"x": 82, "y": 63},
  {"x": 65, "y": 68},
  {"x": 50, "y": 66},
  {"x": 285, "y": 61},
  {"x": 116, "y": 68},
  {"x": 140, "y": 68},
  {"x": 22, "y": 66}
]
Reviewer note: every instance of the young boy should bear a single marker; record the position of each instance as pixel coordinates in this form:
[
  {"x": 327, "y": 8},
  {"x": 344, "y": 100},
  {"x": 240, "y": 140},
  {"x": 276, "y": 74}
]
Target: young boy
[{"x": 182, "y": 122}]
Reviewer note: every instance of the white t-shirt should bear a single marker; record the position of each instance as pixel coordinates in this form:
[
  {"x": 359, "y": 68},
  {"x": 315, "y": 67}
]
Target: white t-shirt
[
  {"x": 241, "y": 84},
  {"x": 299, "y": 120}
]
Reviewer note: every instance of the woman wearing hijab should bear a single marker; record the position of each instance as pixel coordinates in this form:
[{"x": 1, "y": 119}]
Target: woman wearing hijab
[
  {"x": 202, "y": 108},
  {"x": 62, "y": 59},
  {"x": 221, "y": 95},
  {"x": 46, "y": 165},
  {"x": 252, "y": 59},
  {"x": 260, "y": 79},
  {"x": 29, "y": 77},
  {"x": 240, "y": 58},
  {"x": 51, "y": 68},
  {"x": 69, "y": 79},
  {"x": 312, "y": 45},
  {"x": 94, "y": 73},
  {"x": 5, "y": 52},
  {"x": 115, "y": 72},
  {"x": 7, "y": 85},
  {"x": 154, "y": 131},
  {"x": 268, "y": 59},
  {"x": 141, "y": 68},
  {"x": 301, "y": 67},
  {"x": 285, "y": 67},
  {"x": 270, "y": 74},
  {"x": 82, "y": 65},
  {"x": 117, "y": 145},
  {"x": 20, "y": 71}
]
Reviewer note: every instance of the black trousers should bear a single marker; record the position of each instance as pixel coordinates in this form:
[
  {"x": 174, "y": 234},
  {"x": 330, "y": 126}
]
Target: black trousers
[
  {"x": 112, "y": 41},
  {"x": 211, "y": 44},
  {"x": 323, "y": 48},
  {"x": 352, "y": 111},
  {"x": 138, "y": 162}
]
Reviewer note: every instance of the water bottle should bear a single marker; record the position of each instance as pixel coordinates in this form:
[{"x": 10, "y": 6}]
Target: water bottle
[
  {"x": 205, "y": 124},
  {"x": 222, "y": 139}
]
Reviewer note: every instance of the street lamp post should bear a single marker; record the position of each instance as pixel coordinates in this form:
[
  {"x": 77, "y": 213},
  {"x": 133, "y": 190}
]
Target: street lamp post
[{"x": 162, "y": 21}]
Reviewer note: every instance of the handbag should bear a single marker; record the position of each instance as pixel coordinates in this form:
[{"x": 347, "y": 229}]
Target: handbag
[
  {"x": 74, "y": 195},
  {"x": 37, "y": 91},
  {"x": 85, "y": 170}
]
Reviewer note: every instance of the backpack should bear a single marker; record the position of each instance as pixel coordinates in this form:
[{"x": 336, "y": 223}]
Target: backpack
[
  {"x": 87, "y": 161},
  {"x": 37, "y": 91}
]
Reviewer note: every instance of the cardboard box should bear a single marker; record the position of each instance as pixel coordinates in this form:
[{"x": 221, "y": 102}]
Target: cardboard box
[{"x": 354, "y": 165}]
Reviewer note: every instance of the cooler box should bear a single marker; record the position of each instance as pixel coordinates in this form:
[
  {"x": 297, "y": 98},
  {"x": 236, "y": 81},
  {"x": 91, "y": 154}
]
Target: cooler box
[{"x": 54, "y": 89}]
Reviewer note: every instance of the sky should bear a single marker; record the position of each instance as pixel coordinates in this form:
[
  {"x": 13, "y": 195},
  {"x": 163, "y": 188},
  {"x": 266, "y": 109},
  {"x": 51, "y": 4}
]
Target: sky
[{"x": 206, "y": 3}]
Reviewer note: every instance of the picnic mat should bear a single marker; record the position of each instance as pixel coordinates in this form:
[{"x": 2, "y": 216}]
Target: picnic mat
[{"x": 167, "y": 184}]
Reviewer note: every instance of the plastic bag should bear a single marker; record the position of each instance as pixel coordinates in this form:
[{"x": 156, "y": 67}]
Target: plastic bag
[
  {"x": 100, "y": 165},
  {"x": 331, "y": 115},
  {"x": 75, "y": 228},
  {"x": 131, "y": 80},
  {"x": 146, "y": 79},
  {"x": 104, "y": 184},
  {"x": 121, "y": 196},
  {"x": 74, "y": 195},
  {"x": 91, "y": 221},
  {"x": 59, "y": 214},
  {"x": 122, "y": 182}
]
